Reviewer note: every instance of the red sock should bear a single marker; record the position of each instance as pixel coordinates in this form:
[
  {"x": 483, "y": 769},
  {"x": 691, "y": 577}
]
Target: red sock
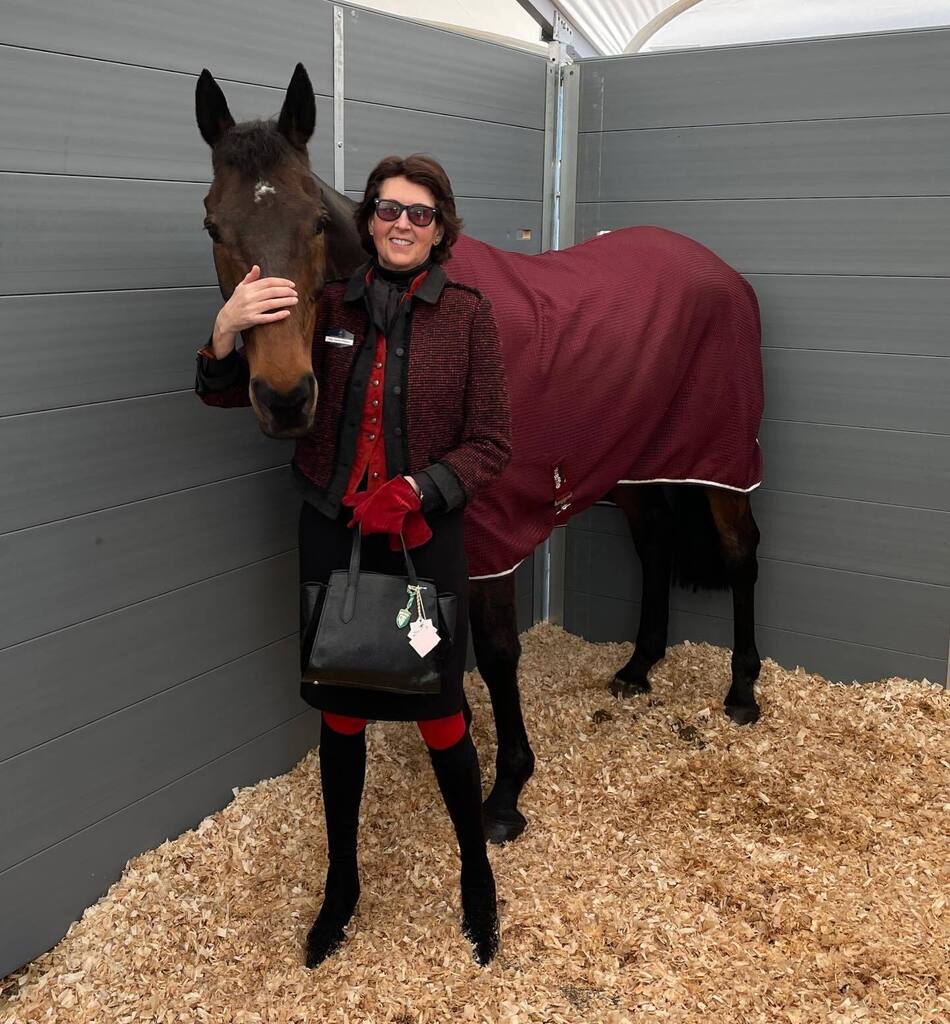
[
  {"x": 345, "y": 725},
  {"x": 442, "y": 733}
]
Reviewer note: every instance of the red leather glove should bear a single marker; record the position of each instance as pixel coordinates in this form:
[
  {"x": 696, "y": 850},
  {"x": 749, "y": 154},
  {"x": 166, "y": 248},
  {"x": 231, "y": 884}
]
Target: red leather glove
[
  {"x": 392, "y": 508},
  {"x": 415, "y": 531}
]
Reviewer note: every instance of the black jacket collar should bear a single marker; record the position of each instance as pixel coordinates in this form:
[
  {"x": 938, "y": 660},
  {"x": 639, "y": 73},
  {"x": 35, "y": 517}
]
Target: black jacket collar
[{"x": 429, "y": 291}]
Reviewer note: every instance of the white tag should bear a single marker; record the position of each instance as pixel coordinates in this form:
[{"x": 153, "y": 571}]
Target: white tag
[
  {"x": 339, "y": 337},
  {"x": 423, "y": 636}
]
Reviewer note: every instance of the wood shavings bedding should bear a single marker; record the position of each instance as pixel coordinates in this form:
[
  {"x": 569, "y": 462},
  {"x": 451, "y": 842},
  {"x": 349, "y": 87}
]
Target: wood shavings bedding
[{"x": 676, "y": 868}]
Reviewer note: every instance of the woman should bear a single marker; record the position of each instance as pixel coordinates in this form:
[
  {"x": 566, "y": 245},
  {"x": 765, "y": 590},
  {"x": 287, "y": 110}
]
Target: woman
[{"x": 412, "y": 419}]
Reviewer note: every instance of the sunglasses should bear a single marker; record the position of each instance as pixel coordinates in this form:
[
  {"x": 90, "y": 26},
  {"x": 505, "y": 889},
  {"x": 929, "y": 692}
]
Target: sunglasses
[{"x": 418, "y": 214}]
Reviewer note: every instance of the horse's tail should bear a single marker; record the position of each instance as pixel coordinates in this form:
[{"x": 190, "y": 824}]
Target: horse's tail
[{"x": 697, "y": 554}]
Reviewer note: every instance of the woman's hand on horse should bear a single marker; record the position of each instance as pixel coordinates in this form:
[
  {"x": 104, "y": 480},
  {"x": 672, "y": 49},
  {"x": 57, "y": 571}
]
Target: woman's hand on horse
[{"x": 254, "y": 301}]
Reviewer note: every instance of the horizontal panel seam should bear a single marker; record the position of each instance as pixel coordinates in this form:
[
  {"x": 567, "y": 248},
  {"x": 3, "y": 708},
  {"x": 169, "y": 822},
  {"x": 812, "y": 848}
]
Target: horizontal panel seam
[
  {"x": 113, "y": 291},
  {"x": 89, "y": 405},
  {"x": 594, "y": 132},
  {"x": 152, "y": 696},
  {"x": 148, "y": 67},
  {"x": 136, "y": 501},
  {"x": 805, "y": 494},
  {"x": 854, "y": 352},
  {"x": 155, "y": 792},
  {"x": 146, "y": 600},
  {"x": 461, "y": 117},
  {"x": 683, "y": 200},
  {"x": 827, "y": 40},
  {"x": 859, "y": 426},
  {"x": 765, "y": 625}
]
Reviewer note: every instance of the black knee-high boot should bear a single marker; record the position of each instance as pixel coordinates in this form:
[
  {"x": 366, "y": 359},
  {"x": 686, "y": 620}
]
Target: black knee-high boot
[
  {"x": 342, "y": 772},
  {"x": 456, "y": 770}
]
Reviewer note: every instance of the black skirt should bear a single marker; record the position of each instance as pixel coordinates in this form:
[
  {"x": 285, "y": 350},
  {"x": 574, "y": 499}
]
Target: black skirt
[{"x": 325, "y": 545}]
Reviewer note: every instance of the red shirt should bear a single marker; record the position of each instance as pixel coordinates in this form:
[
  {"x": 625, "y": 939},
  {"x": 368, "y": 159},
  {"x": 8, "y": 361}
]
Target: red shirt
[{"x": 370, "y": 457}]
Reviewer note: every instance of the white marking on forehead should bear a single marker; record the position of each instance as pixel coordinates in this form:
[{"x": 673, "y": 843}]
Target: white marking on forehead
[{"x": 263, "y": 188}]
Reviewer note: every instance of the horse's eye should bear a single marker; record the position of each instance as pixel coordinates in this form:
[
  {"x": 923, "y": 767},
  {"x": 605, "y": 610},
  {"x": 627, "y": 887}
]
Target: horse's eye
[
  {"x": 212, "y": 231},
  {"x": 319, "y": 226}
]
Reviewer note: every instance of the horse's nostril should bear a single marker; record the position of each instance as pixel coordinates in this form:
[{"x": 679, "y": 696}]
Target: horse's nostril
[{"x": 284, "y": 402}]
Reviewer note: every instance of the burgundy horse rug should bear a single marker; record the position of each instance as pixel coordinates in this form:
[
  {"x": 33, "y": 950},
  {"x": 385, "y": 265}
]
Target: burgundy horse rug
[{"x": 632, "y": 357}]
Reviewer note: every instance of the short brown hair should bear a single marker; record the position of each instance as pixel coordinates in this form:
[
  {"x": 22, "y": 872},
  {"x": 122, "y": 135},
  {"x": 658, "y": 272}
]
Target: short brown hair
[{"x": 423, "y": 170}]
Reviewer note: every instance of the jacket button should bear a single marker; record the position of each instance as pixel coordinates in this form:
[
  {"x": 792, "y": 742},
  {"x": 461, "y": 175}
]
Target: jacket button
[
  {"x": 379, "y": 366},
  {"x": 372, "y": 437},
  {"x": 375, "y": 383},
  {"x": 398, "y": 431},
  {"x": 400, "y": 351},
  {"x": 375, "y": 402},
  {"x": 397, "y": 390}
]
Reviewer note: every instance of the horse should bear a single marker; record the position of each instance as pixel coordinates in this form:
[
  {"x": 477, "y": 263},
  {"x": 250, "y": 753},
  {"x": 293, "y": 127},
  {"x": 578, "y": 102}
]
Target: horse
[{"x": 266, "y": 206}]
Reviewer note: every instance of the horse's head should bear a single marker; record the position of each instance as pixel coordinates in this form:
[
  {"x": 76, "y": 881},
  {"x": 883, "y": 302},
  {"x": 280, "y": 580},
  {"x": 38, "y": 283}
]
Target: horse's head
[{"x": 266, "y": 207}]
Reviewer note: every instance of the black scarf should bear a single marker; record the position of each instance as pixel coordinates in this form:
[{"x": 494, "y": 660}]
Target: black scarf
[{"x": 386, "y": 290}]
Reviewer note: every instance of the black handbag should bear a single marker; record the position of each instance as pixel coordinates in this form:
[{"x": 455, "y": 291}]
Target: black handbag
[{"x": 349, "y": 634}]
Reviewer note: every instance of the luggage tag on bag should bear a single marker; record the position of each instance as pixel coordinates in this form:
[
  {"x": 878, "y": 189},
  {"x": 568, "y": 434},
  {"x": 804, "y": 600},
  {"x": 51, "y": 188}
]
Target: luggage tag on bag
[
  {"x": 339, "y": 337},
  {"x": 423, "y": 636}
]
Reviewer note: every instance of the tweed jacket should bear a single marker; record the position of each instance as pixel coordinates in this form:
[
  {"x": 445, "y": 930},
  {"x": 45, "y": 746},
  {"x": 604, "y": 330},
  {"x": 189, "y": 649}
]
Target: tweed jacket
[{"x": 446, "y": 415}]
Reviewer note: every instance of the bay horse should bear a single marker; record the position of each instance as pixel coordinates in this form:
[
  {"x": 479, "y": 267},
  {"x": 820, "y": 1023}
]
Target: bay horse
[{"x": 266, "y": 206}]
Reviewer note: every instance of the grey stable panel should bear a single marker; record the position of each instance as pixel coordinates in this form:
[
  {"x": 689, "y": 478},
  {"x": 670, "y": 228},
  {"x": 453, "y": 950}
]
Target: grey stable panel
[
  {"x": 890, "y": 237},
  {"x": 859, "y": 536},
  {"x": 126, "y": 656},
  {"x": 898, "y": 615},
  {"x": 72, "y": 461},
  {"x": 78, "y": 348},
  {"x": 888, "y": 466},
  {"x": 482, "y": 159},
  {"x": 43, "y": 895},
  {"x": 856, "y": 76},
  {"x": 879, "y": 156},
  {"x": 66, "y": 234},
  {"x": 500, "y": 222},
  {"x": 71, "y": 571},
  {"x": 60, "y": 787},
  {"x": 472, "y": 77},
  {"x": 602, "y": 619},
  {"x": 236, "y": 39},
  {"x": 900, "y": 315},
  {"x": 858, "y": 389},
  {"x": 71, "y": 115}
]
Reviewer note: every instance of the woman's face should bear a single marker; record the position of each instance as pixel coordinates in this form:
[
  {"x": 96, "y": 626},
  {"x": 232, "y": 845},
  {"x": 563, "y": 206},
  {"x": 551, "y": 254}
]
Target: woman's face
[{"x": 400, "y": 244}]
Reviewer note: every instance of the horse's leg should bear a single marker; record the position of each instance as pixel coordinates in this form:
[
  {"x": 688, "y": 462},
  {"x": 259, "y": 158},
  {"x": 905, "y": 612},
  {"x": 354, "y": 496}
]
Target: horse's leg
[
  {"x": 650, "y": 522},
  {"x": 739, "y": 539},
  {"x": 497, "y": 650}
]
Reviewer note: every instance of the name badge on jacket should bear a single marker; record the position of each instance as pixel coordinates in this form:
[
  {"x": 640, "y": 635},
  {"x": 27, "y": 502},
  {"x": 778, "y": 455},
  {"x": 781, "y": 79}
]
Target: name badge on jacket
[{"x": 339, "y": 337}]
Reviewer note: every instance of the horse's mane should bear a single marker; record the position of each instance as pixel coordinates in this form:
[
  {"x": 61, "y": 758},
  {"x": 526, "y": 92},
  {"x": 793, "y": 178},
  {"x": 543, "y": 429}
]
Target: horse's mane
[{"x": 253, "y": 148}]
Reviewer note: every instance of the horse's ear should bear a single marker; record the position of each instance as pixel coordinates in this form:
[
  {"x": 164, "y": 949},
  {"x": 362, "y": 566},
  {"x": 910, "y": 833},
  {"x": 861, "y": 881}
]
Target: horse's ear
[
  {"x": 211, "y": 109},
  {"x": 298, "y": 115}
]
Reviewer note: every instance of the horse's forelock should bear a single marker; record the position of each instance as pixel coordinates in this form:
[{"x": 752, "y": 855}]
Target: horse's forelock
[{"x": 252, "y": 148}]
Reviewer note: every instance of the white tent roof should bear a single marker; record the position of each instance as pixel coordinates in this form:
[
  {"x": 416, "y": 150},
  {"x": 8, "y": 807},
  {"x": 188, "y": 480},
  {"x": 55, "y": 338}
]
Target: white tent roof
[{"x": 604, "y": 27}]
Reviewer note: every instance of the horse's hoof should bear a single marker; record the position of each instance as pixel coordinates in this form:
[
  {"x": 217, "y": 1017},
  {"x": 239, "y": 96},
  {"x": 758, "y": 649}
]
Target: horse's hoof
[
  {"x": 628, "y": 687},
  {"x": 743, "y": 714},
  {"x": 503, "y": 826}
]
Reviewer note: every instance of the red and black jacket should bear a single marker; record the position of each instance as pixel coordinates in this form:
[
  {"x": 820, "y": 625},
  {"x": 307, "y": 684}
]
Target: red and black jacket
[{"x": 446, "y": 414}]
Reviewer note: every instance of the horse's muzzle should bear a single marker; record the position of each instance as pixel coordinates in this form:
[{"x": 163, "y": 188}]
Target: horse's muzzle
[{"x": 285, "y": 414}]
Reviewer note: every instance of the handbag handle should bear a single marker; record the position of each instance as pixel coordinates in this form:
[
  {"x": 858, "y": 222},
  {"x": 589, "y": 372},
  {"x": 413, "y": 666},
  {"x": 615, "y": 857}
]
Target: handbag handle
[{"x": 353, "y": 578}]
